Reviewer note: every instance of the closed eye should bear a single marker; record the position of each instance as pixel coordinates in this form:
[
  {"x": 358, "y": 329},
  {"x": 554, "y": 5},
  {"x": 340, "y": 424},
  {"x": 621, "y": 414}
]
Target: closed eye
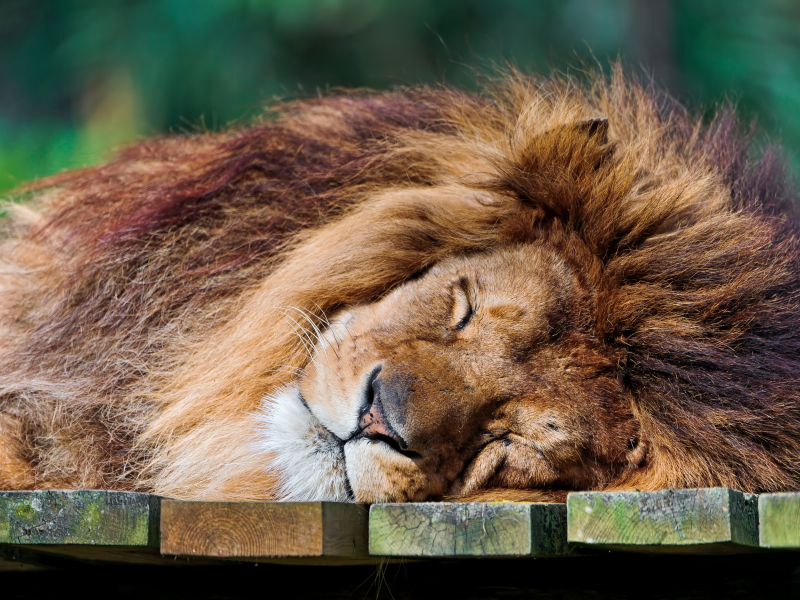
[{"x": 462, "y": 309}]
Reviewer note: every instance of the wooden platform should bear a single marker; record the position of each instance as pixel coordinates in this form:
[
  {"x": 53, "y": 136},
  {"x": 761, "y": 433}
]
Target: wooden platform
[
  {"x": 50, "y": 529},
  {"x": 322, "y": 532},
  {"x": 713, "y": 520},
  {"x": 502, "y": 529}
]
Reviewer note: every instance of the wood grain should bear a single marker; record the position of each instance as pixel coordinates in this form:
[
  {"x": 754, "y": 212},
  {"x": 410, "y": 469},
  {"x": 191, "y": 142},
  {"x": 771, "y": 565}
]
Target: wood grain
[
  {"x": 779, "y": 520},
  {"x": 249, "y": 530},
  {"x": 711, "y": 520},
  {"x": 467, "y": 529}
]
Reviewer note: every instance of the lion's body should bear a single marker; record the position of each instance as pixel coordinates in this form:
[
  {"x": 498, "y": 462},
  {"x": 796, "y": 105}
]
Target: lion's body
[{"x": 149, "y": 306}]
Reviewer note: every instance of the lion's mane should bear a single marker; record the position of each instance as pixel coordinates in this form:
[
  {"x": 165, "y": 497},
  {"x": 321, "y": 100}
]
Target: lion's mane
[{"x": 148, "y": 304}]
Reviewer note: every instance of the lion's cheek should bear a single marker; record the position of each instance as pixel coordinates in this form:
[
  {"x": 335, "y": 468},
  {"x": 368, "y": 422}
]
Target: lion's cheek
[
  {"x": 379, "y": 474},
  {"x": 305, "y": 457}
]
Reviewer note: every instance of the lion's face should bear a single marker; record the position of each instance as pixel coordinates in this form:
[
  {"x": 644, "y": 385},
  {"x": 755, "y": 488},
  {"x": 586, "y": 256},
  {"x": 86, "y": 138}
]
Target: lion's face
[{"x": 481, "y": 373}]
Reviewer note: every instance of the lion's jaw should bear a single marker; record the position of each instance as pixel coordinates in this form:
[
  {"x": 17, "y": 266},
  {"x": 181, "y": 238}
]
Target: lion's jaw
[
  {"x": 475, "y": 376},
  {"x": 313, "y": 464}
]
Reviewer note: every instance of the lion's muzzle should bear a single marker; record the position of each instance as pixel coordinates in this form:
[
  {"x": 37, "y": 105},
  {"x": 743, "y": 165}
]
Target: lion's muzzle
[{"x": 374, "y": 423}]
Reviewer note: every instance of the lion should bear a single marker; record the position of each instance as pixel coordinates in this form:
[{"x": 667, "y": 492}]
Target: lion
[{"x": 545, "y": 286}]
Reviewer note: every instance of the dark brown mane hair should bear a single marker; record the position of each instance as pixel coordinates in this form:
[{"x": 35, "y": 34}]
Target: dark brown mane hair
[{"x": 143, "y": 302}]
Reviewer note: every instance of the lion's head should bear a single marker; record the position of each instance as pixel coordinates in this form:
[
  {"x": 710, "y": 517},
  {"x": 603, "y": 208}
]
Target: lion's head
[{"x": 482, "y": 372}]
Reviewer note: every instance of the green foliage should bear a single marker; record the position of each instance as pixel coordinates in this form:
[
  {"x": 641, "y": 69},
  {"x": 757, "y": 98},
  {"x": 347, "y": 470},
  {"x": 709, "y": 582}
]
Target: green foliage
[{"x": 80, "y": 77}]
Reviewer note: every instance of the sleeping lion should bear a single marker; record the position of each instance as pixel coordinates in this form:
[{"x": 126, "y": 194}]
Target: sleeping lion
[{"x": 407, "y": 296}]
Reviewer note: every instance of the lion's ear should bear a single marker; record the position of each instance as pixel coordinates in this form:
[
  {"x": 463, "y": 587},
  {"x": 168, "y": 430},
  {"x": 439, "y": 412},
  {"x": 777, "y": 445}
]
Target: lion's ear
[
  {"x": 557, "y": 170},
  {"x": 594, "y": 129},
  {"x": 589, "y": 135},
  {"x": 571, "y": 147}
]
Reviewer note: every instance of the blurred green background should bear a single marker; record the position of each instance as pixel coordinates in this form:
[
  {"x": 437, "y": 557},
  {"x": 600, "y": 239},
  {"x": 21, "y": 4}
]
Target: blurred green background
[{"x": 81, "y": 77}]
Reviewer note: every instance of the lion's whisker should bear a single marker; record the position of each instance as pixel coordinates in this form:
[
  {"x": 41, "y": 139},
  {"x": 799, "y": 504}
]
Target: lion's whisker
[
  {"x": 287, "y": 369},
  {"x": 326, "y": 320},
  {"x": 318, "y": 333},
  {"x": 307, "y": 314},
  {"x": 306, "y": 343},
  {"x": 315, "y": 332}
]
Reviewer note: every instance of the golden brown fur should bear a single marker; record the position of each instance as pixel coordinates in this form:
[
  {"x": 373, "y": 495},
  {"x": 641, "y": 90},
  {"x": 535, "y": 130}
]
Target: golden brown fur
[{"x": 149, "y": 305}]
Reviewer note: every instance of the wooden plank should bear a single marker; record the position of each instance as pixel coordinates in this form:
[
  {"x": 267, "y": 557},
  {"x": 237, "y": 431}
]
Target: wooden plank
[
  {"x": 254, "y": 531},
  {"x": 84, "y": 524},
  {"x": 708, "y": 521},
  {"x": 468, "y": 529},
  {"x": 84, "y": 517},
  {"x": 779, "y": 520}
]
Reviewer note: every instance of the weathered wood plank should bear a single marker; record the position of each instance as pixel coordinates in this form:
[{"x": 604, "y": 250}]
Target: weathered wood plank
[
  {"x": 263, "y": 531},
  {"x": 468, "y": 529},
  {"x": 711, "y": 520},
  {"x": 779, "y": 520},
  {"x": 87, "y": 525},
  {"x": 85, "y": 517}
]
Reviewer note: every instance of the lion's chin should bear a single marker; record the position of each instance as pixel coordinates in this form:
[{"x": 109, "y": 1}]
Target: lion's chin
[
  {"x": 308, "y": 458},
  {"x": 313, "y": 465},
  {"x": 377, "y": 473}
]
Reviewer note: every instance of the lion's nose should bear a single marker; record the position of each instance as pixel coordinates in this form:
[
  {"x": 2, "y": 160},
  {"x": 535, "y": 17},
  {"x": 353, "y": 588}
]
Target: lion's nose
[
  {"x": 372, "y": 387},
  {"x": 373, "y": 423}
]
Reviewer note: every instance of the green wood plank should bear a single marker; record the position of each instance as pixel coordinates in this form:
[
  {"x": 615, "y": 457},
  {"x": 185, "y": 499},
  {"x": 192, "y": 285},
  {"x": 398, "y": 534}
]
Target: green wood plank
[
  {"x": 710, "y": 520},
  {"x": 85, "y": 517},
  {"x": 86, "y": 525},
  {"x": 467, "y": 529},
  {"x": 779, "y": 520}
]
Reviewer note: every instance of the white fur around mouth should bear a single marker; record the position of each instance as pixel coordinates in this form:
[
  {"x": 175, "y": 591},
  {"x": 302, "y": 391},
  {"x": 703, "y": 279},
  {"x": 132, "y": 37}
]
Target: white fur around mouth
[{"x": 308, "y": 458}]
